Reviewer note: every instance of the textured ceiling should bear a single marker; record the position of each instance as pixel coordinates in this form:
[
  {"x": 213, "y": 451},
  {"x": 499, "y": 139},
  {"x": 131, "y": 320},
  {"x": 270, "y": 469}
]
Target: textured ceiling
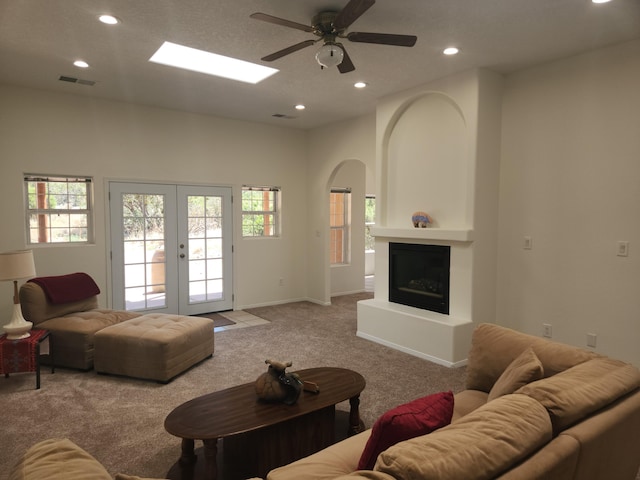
[{"x": 39, "y": 40}]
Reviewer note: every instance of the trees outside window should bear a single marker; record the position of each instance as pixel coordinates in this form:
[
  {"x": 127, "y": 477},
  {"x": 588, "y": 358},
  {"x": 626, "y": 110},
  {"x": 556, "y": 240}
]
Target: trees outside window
[
  {"x": 340, "y": 225},
  {"x": 260, "y": 211},
  {"x": 59, "y": 209},
  {"x": 369, "y": 221}
]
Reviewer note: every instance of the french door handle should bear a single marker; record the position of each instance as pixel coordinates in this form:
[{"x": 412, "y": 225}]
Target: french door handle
[{"x": 182, "y": 255}]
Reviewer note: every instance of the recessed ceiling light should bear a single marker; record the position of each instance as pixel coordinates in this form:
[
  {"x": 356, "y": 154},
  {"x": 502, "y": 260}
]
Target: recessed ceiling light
[
  {"x": 360, "y": 84},
  {"x": 600, "y": 1},
  {"x": 81, "y": 64},
  {"x": 300, "y": 107},
  {"x": 450, "y": 51},
  {"x": 179, "y": 56},
  {"x": 108, "y": 19}
]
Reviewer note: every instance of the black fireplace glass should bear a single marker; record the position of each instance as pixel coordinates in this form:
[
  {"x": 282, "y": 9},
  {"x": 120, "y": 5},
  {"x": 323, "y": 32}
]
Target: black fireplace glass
[{"x": 419, "y": 276}]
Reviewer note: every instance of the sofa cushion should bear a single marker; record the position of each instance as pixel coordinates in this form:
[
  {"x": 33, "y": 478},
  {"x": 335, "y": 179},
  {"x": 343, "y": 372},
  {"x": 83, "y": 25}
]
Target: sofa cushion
[
  {"x": 418, "y": 417},
  {"x": 466, "y": 402},
  {"x": 575, "y": 393},
  {"x": 58, "y": 459},
  {"x": 36, "y": 308},
  {"x": 494, "y": 347},
  {"x": 525, "y": 369},
  {"x": 327, "y": 464},
  {"x": 481, "y": 445}
]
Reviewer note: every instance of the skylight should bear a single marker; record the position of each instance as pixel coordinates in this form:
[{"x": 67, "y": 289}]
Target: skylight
[{"x": 179, "y": 56}]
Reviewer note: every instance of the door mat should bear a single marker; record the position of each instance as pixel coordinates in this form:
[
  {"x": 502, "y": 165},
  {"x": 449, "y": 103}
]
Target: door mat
[{"x": 219, "y": 319}]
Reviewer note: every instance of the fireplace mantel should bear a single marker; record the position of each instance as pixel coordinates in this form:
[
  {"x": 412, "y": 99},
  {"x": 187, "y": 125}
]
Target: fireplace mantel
[{"x": 453, "y": 235}]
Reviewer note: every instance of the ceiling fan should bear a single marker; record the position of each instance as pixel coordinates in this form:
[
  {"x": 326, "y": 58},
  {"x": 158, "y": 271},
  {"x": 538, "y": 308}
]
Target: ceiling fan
[{"x": 330, "y": 26}]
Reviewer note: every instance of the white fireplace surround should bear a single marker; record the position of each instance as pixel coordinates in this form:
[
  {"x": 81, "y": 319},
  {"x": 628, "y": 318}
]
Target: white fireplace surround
[
  {"x": 438, "y": 152},
  {"x": 423, "y": 333}
]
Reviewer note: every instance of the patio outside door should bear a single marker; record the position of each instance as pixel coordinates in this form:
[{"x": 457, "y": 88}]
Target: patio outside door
[{"x": 171, "y": 248}]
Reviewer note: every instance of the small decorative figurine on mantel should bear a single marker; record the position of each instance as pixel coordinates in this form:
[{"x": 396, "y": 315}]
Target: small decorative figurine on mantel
[{"x": 421, "y": 219}]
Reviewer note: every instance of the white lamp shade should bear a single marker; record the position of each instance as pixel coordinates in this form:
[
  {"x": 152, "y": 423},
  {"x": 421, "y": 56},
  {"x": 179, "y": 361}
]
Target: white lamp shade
[
  {"x": 17, "y": 265},
  {"x": 330, "y": 55}
]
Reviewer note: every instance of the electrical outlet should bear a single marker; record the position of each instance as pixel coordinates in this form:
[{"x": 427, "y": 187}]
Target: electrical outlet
[
  {"x": 281, "y": 282},
  {"x": 623, "y": 249},
  {"x": 546, "y": 330},
  {"x": 528, "y": 243},
  {"x": 591, "y": 340}
]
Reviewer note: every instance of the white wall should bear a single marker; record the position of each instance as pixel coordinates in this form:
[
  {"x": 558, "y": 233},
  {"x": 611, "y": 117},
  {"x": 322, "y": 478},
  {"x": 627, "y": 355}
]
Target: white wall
[
  {"x": 63, "y": 134},
  {"x": 570, "y": 179},
  {"x": 329, "y": 147}
]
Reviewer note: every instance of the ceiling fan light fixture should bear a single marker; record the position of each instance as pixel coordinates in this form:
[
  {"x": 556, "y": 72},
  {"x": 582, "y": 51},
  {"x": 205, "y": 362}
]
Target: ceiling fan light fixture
[{"x": 330, "y": 55}]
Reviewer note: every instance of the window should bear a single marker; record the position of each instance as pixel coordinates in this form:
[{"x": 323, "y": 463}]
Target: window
[
  {"x": 59, "y": 209},
  {"x": 260, "y": 211},
  {"x": 339, "y": 217},
  {"x": 369, "y": 221}
]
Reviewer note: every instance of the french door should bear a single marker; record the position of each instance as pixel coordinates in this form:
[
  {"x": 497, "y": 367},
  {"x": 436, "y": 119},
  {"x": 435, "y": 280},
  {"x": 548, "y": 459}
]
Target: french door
[{"x": 171, "y": 248}]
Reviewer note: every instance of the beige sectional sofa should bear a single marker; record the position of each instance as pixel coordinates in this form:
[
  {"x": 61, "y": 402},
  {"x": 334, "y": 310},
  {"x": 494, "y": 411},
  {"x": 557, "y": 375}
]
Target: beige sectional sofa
[
  {"x": 61, "y": 459},
  {"x": 533, "y": 409}
]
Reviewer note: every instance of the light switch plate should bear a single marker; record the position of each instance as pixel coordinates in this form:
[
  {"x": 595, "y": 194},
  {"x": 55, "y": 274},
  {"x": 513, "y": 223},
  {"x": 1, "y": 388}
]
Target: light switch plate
[{"x": 623, "y": 248}]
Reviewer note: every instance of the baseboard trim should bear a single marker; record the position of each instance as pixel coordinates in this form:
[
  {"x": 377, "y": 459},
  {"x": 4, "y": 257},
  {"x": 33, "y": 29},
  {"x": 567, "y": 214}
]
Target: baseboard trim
[{"x": 410, "y": 351}]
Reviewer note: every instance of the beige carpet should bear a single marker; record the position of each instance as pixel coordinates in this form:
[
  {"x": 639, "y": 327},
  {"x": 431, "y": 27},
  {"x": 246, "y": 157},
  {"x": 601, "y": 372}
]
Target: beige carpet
[{"x": 120, "y": 420}]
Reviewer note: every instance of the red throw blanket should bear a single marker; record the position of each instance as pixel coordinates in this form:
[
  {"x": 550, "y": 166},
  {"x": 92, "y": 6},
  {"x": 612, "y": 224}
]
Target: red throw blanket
[{"x": 67, "y": 288}]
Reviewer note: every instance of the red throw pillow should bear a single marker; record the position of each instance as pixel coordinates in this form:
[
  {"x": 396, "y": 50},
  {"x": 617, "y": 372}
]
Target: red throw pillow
[{"x": 419, "y": 417}]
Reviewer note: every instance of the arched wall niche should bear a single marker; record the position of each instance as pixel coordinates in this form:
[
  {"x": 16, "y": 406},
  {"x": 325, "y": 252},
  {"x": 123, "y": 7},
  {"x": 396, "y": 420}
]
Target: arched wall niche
[{"x": 425, "y": 163}]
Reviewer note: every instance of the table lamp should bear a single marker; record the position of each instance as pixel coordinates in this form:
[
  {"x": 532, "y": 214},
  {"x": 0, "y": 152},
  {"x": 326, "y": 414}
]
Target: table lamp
[{"x": 16, "y": 266}]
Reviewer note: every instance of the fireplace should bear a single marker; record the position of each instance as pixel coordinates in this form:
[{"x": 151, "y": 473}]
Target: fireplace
[{"x": 419, "y": 276}]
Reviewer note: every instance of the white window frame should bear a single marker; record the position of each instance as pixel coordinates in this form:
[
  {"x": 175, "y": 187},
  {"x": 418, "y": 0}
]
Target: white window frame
[
  {"x": 274, "y": 212},
  {"x": 45, "y": 230}
]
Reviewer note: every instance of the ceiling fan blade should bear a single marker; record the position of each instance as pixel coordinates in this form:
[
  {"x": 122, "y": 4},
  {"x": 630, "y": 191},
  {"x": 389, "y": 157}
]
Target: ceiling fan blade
[
  {"x": 288, "y": 50},
  {"x": 351, "y": 12},
  {"x": 281, "y": 21},
  {"x": 383, "y": 38},
  {"x": 346, "y": 65}
]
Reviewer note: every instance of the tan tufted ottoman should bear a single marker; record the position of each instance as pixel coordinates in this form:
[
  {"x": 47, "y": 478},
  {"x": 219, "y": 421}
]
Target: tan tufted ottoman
[{"x": 153, "y": 346}]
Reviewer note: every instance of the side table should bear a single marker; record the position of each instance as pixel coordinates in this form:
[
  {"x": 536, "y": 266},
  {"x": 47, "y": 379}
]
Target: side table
[{"x": 23, "y": 355}]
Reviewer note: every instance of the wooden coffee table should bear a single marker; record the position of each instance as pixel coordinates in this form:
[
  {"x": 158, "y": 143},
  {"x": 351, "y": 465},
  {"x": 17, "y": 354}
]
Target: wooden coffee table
[{"x": 260, "y": 436}]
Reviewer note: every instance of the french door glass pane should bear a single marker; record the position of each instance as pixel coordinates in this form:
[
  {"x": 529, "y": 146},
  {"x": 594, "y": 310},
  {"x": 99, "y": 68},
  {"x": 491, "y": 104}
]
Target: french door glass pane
[
  {"x": 144, "y": 259},
  {"x": 205, "y": 248}
]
